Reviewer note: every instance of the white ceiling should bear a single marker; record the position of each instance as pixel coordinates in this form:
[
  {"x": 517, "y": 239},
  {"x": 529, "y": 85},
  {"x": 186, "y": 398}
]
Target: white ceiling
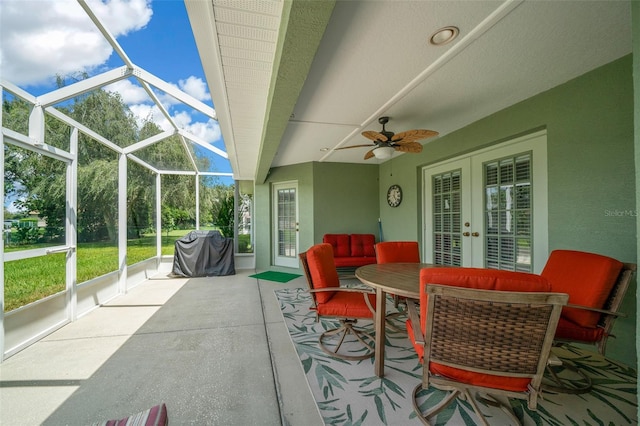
[{"x": 374, "y": 60}]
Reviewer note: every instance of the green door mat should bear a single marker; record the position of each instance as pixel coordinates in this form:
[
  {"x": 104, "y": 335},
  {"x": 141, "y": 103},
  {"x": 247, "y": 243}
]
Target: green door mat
[{"x": 281, "y": 277}]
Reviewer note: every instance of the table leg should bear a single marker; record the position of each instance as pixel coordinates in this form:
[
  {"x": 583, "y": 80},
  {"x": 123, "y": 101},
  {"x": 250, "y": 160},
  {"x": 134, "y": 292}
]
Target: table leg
[{"x": 381, "y": 305}]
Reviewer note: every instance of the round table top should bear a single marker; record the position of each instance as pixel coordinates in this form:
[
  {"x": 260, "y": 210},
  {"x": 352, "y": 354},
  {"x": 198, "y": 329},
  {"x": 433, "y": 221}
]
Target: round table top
[{"x": 402, "y": 279}]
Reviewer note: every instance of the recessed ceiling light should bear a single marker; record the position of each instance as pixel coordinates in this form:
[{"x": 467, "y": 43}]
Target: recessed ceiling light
[{"x": 444, "y": 36}]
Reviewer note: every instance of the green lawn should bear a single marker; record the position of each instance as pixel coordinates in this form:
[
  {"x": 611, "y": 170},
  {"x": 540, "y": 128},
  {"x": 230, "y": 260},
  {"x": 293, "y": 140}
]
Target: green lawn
[{"x": 28, "y": 280}]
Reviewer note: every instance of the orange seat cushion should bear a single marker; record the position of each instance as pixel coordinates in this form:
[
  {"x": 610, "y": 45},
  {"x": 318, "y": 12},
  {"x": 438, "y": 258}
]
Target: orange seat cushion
[
  {"x": 568, "y": 330},
  {"x": 347, "y": 305},
  {"x": 322, "y": 270},
  {"x": 398, "y": 252},
  {"x": 483, "y": 279},
  {"x": 586, "y": 277}
]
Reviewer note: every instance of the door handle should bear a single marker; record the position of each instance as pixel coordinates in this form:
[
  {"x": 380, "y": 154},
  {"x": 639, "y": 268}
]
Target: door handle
[
  {"x": 465, "y": 234},
  {"x": 475, "y": 234}
]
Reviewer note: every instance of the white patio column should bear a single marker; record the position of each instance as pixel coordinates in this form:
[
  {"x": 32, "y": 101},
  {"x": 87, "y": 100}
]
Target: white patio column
[
  {"x": 122, "y": 223},
  {"x": 71, "y": 228}
]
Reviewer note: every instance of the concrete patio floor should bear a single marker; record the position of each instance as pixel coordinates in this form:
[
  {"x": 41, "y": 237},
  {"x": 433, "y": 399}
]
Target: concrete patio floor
[{"x": 215, "y": 350}]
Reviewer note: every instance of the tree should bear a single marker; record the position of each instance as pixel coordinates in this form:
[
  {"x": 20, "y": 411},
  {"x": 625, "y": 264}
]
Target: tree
[
  {"x": 38, "y": 183},
  {"x": 223, "y": 211}
]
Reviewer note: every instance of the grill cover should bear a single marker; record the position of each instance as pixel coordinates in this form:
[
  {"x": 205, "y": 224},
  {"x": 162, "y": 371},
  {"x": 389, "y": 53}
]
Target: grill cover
[{"x": 203, "y": 254}]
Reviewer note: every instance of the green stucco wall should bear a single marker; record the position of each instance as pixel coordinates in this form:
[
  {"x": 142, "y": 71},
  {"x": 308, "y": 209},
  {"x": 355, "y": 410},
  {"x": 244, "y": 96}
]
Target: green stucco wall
[
  {"x": 303, "y": 175},
  {"x": 332, "y": 198},
  {"x": 591, "y": 172},
  {"x": 346, "y": 199},
  {"x": 635, "y": 14}
]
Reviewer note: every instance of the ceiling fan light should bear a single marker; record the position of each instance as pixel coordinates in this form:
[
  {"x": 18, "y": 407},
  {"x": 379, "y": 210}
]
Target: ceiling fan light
[
  {"x": 444, "y": 36},
  {"x": 383, "y": 152}
]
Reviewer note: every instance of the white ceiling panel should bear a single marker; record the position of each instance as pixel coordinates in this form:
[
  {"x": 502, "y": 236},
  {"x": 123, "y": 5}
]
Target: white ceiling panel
[{"x": 374, "y": 60}]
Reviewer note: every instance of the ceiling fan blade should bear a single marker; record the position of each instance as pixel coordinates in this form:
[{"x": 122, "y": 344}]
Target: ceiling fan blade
[
  {"x": 355, "y": 146},
  {"x": 413, "y": 135},
  {"x": 374, "y": 136},
  {"x": 369, "y": 154},
  {"x": 413, "y": 147}
]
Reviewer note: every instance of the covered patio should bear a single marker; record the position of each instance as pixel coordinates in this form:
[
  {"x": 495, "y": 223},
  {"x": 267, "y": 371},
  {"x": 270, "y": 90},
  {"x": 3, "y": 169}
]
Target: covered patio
[{"x": 215, "y": 350}]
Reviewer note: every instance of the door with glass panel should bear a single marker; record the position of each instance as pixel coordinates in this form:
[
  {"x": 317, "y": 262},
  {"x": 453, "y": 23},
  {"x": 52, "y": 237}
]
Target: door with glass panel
[
  {"x": 489, "y": 209},
  {"x": 286, "y": 224}
]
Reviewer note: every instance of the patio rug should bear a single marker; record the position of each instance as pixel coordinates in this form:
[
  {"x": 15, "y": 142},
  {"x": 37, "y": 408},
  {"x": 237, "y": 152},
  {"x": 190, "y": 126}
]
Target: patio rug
[
  {"x": 280, "y": 277},
  {"x": 349, "y": 393}
]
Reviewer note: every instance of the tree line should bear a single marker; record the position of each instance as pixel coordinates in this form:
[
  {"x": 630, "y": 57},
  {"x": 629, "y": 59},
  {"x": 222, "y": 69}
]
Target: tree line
[{"x": 37, "y": 183}]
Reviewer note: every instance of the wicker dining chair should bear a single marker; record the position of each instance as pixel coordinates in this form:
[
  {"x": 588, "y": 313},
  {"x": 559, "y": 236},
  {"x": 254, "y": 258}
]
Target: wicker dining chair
[
  {"x": 491, "y": 342},
  {"x": 330, "y": 300}
]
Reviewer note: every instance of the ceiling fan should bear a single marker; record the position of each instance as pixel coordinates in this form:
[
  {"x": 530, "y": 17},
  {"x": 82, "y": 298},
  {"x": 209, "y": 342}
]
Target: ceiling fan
[{"x": 385, "y": 142}]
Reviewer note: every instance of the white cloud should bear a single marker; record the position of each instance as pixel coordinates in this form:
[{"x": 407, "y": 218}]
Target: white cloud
[
  {"x": 43, "y": 38},
  {"x": 130, "y": 93},
  {"x": 146, "y": 112},
  {"x": 122, "y": 16},
  {"x": 195, "y": 87},
  {"x": 209, "y": 131}
]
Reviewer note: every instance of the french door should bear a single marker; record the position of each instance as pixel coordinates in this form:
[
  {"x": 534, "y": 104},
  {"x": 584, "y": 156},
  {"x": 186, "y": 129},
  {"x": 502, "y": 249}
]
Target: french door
[
  {"x": 286, "y": 224},
  {"x": 489, "y": 209}
]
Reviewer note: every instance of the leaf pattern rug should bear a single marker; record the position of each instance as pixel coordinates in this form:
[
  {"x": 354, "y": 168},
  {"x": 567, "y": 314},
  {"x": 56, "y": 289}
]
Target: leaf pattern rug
[{"x": 349, "y": 393}]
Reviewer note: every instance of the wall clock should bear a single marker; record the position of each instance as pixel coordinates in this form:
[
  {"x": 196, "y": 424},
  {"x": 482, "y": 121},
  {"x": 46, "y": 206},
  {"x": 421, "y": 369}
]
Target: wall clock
[{"x": 394, "y": 195}]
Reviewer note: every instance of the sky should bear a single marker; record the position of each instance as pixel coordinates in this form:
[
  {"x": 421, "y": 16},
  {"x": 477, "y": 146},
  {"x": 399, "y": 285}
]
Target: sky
[{"x": 40, "y": 39}]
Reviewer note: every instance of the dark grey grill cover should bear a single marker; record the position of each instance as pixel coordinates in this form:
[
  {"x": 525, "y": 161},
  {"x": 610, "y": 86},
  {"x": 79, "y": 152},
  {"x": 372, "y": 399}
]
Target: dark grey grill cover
[{"x": 203, "y": 254}]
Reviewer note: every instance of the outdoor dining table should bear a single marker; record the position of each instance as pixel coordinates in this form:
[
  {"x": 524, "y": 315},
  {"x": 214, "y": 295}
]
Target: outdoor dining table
[{"x": 401, "y": 279}]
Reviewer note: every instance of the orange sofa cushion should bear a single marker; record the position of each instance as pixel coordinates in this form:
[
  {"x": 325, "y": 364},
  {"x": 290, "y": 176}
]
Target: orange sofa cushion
[
  {"x": 322, "y": 270},
  {"x": 586, "y": 277},
  {"x": 398, "y": 252},
  {"x": 341, "y": 244},
  {"x": 362, "y": 245},
  {"x": 484, "y": 279}
]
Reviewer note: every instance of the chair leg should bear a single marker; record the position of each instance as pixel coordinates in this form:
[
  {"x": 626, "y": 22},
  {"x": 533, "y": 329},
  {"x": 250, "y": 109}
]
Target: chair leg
[
  {"x": 492, "y": 401},
  {"x": 465, "y": 395},
  {"x": 579, "y": 383},
  {"x": 424, "y": 417},
  {"x": 346, "y": 328}
]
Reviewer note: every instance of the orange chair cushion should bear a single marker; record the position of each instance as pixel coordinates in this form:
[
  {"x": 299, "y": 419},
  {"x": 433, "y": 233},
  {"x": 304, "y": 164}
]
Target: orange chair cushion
[
  {"x": 347, "y": 305},
  {"x": 362, "y": 245},
  {"x": 478, "y": 278},
  {"x": 568, "y": 330},
  {"x": 341, "y": 244},
  {"x": 484, "y": 279},
  {"x": 398, "y": 252},
  {"x": 586, "y": 277},
  {"x": 322, "y": 270}
]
